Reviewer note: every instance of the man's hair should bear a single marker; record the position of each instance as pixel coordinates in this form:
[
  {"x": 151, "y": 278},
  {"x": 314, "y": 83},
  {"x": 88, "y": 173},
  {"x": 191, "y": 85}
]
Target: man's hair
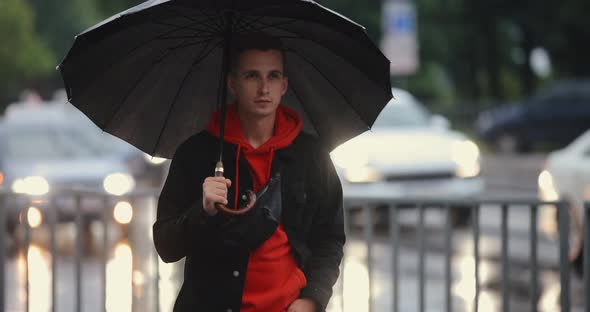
[{"x": 253, "y": 41}]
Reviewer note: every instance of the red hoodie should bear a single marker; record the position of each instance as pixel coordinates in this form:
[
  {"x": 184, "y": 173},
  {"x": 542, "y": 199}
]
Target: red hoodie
[{"x": 273, "y": 279}]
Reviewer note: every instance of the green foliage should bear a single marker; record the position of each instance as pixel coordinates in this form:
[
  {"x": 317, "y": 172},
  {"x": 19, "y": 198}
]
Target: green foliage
[
  {"x": 110, "y": 7},
  {"x": 58, "y": 21},
  {"x": 365, "y": 12},
  {"x": 23, "y": 55}
]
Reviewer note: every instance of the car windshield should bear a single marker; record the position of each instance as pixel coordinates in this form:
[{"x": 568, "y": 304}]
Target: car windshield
[
  {"x": 403, "y": 112},
  {"x": 51, "y": 143}
]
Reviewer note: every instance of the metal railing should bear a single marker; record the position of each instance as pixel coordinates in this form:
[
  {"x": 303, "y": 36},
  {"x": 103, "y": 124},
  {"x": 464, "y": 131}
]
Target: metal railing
[
  {"x": 16, "y": 206},
  {"x": 368, "y": 207}
]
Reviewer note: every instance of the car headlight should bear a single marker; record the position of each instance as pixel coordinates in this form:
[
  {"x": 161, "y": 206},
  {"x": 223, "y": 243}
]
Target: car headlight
[
  {"x": 345, "y": 156},
  {"x": 153, "y": 159},
  {"x": 363, "y": 174},
  {"x": 34, "y": 217},
  {"x": 34, "y": 185},
  {"x": 466, "y": 157},
  {"x": 118, "y": 183},
  {"x": 547, "y": 189},
  {"x": 123, "y": 212}
]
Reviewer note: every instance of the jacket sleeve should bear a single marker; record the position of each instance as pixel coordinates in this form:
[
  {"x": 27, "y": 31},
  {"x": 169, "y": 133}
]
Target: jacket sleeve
[
  {"x": 326, "y": 239},
  {"x": 181, "y": 222}
]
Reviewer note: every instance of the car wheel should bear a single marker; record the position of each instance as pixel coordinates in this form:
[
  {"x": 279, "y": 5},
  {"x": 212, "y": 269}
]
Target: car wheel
[{"x": 507, "y": 143}]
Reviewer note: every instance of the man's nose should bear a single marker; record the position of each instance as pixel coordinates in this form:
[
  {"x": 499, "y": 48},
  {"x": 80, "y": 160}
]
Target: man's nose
[{"x": 263, "y": 86}]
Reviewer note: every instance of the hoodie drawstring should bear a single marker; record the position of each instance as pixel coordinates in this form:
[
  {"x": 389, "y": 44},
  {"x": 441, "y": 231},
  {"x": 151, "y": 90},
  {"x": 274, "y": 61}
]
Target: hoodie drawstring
[
  {"x": 272, "y": 156},
  {"x": 236, "y": 183}
]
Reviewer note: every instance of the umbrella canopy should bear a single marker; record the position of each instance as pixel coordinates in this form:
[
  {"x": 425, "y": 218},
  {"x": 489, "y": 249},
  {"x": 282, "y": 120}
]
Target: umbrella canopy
[{"x": 152, "y": 75}]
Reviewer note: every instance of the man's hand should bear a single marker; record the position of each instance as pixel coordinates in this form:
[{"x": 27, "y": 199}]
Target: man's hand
[
  {"x": 214, "y": 191},
  {"x": 302, "y": 305}
]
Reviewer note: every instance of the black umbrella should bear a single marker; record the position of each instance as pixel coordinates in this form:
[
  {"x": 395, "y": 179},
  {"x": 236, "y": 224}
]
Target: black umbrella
[{"x": 152, "y": 75}]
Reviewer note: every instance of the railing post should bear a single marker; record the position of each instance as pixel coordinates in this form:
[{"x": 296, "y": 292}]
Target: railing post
[
  {"x": 25, "y": 222},
  {"x": 52, "y": 211},
  {"x": 421, "y": 248},
  {"x": 157, "y": 258},
  {"x": 475, "y": 220},
  {"x": 105, "y": 251},
  {"x": 448, "y": 255},
  {"x": 505, "y": 263},
  {"x": 394, "y": 238},
  {"x": 534, "y": 258},
  {"x": 368, "y": 230},
  {"x": 586, "y": 269},
  {"x": 2, "y": 248},
  {"x": 79, "y": 252},
  {"x": 564, "y": 228}
]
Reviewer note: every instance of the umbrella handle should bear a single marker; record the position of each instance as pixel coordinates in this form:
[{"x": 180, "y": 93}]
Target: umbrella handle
[{"x": 251, "y": 200}]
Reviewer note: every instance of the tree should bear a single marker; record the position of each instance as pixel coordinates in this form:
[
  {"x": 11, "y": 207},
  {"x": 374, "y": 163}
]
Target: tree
[
  {"x": 24, "y": 58},
  {"x": 111, "y": 7},
  {"x": 58, "y": 21},
  {"x": 366, "y": 13}
]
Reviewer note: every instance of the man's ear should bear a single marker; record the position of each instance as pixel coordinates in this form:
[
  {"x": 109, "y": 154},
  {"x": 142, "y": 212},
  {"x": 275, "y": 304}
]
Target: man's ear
[
  {"x": 285, "y": 85},
  {"x": 231, "y": 85}
]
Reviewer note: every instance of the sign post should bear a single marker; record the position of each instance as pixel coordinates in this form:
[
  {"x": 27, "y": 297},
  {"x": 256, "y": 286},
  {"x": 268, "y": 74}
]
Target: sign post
[{"x": 400, "y": 42}]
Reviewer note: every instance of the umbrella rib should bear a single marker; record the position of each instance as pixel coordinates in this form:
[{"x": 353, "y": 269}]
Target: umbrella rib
[
  {"x": 136, "y": 83},
  {"x": 244, "y": 23},
  {"x": 212, "y": 28},
  {"x": 206, "y": 29},
  {"x": 215, "y": 21},
  {"x": 302, "y": 37},
  {"x": 258, "y": 20},
  {"x": 204, "y": 53},
  {"x": 188, "y": 44},
  {"x": 132, "y": 51},
  {"x": 313, "y": 122},
  {"x": 187, "y": 37},
  {"x": 331, "y": 83},
  {"x": 325, "y": 9}
]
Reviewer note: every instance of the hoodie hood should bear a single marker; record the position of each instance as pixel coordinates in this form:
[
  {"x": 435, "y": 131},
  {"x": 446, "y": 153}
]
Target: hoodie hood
[{"x": 287, "y": 126}]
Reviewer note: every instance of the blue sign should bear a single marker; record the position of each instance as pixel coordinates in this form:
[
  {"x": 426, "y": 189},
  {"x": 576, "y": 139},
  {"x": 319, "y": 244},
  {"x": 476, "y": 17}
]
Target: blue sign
[{"x": 402, "y": 21}]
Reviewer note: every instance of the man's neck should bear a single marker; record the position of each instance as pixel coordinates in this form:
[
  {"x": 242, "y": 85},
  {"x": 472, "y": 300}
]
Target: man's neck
[{"x": 257, "y": 130}]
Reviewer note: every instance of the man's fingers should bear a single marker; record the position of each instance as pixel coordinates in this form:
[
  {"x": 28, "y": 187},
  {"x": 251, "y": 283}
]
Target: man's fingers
[
  {"x": 218, "y": 192},
  {"x": 215, "y": 191},
  {"x": 215, "y": 181},
  {"x": 218, "y": 199}
]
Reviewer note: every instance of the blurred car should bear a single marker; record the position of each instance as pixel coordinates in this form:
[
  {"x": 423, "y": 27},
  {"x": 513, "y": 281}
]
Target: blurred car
[
  {"x": 555, "y": 116},
  {"x": 410, "y": 153},
  {"x": 43, "y": 149},
  {"x": 566, "y": 176}
]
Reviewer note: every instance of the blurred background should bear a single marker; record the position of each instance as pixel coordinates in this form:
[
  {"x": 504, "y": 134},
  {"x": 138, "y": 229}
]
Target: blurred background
[{"x": 492, "y": 99}]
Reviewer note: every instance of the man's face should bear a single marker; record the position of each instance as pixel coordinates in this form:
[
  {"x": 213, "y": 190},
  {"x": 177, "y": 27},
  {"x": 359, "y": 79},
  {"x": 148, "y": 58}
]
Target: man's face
[{"x": 259, "y": 82}]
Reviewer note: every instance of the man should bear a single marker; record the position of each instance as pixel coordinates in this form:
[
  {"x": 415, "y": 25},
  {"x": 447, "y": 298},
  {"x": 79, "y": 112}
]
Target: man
[{"x": 249, "y": 263}]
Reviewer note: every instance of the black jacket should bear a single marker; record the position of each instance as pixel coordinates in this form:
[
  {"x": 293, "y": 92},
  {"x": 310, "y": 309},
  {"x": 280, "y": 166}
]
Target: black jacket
[{"x": 216, "y": 257}]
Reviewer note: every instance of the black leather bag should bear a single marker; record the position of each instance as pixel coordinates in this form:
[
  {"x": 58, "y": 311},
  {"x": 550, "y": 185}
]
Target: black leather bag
[{"x": 257, "y": 225}]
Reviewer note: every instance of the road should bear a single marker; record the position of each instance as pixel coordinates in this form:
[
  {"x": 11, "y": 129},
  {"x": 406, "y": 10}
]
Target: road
[{"x": 506, "y": 175}]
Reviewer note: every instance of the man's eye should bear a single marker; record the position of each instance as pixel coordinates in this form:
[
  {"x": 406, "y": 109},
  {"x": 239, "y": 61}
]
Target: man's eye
[
  {"x": 250, "y": 75},
  {"x": 275, "y": 75}
]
